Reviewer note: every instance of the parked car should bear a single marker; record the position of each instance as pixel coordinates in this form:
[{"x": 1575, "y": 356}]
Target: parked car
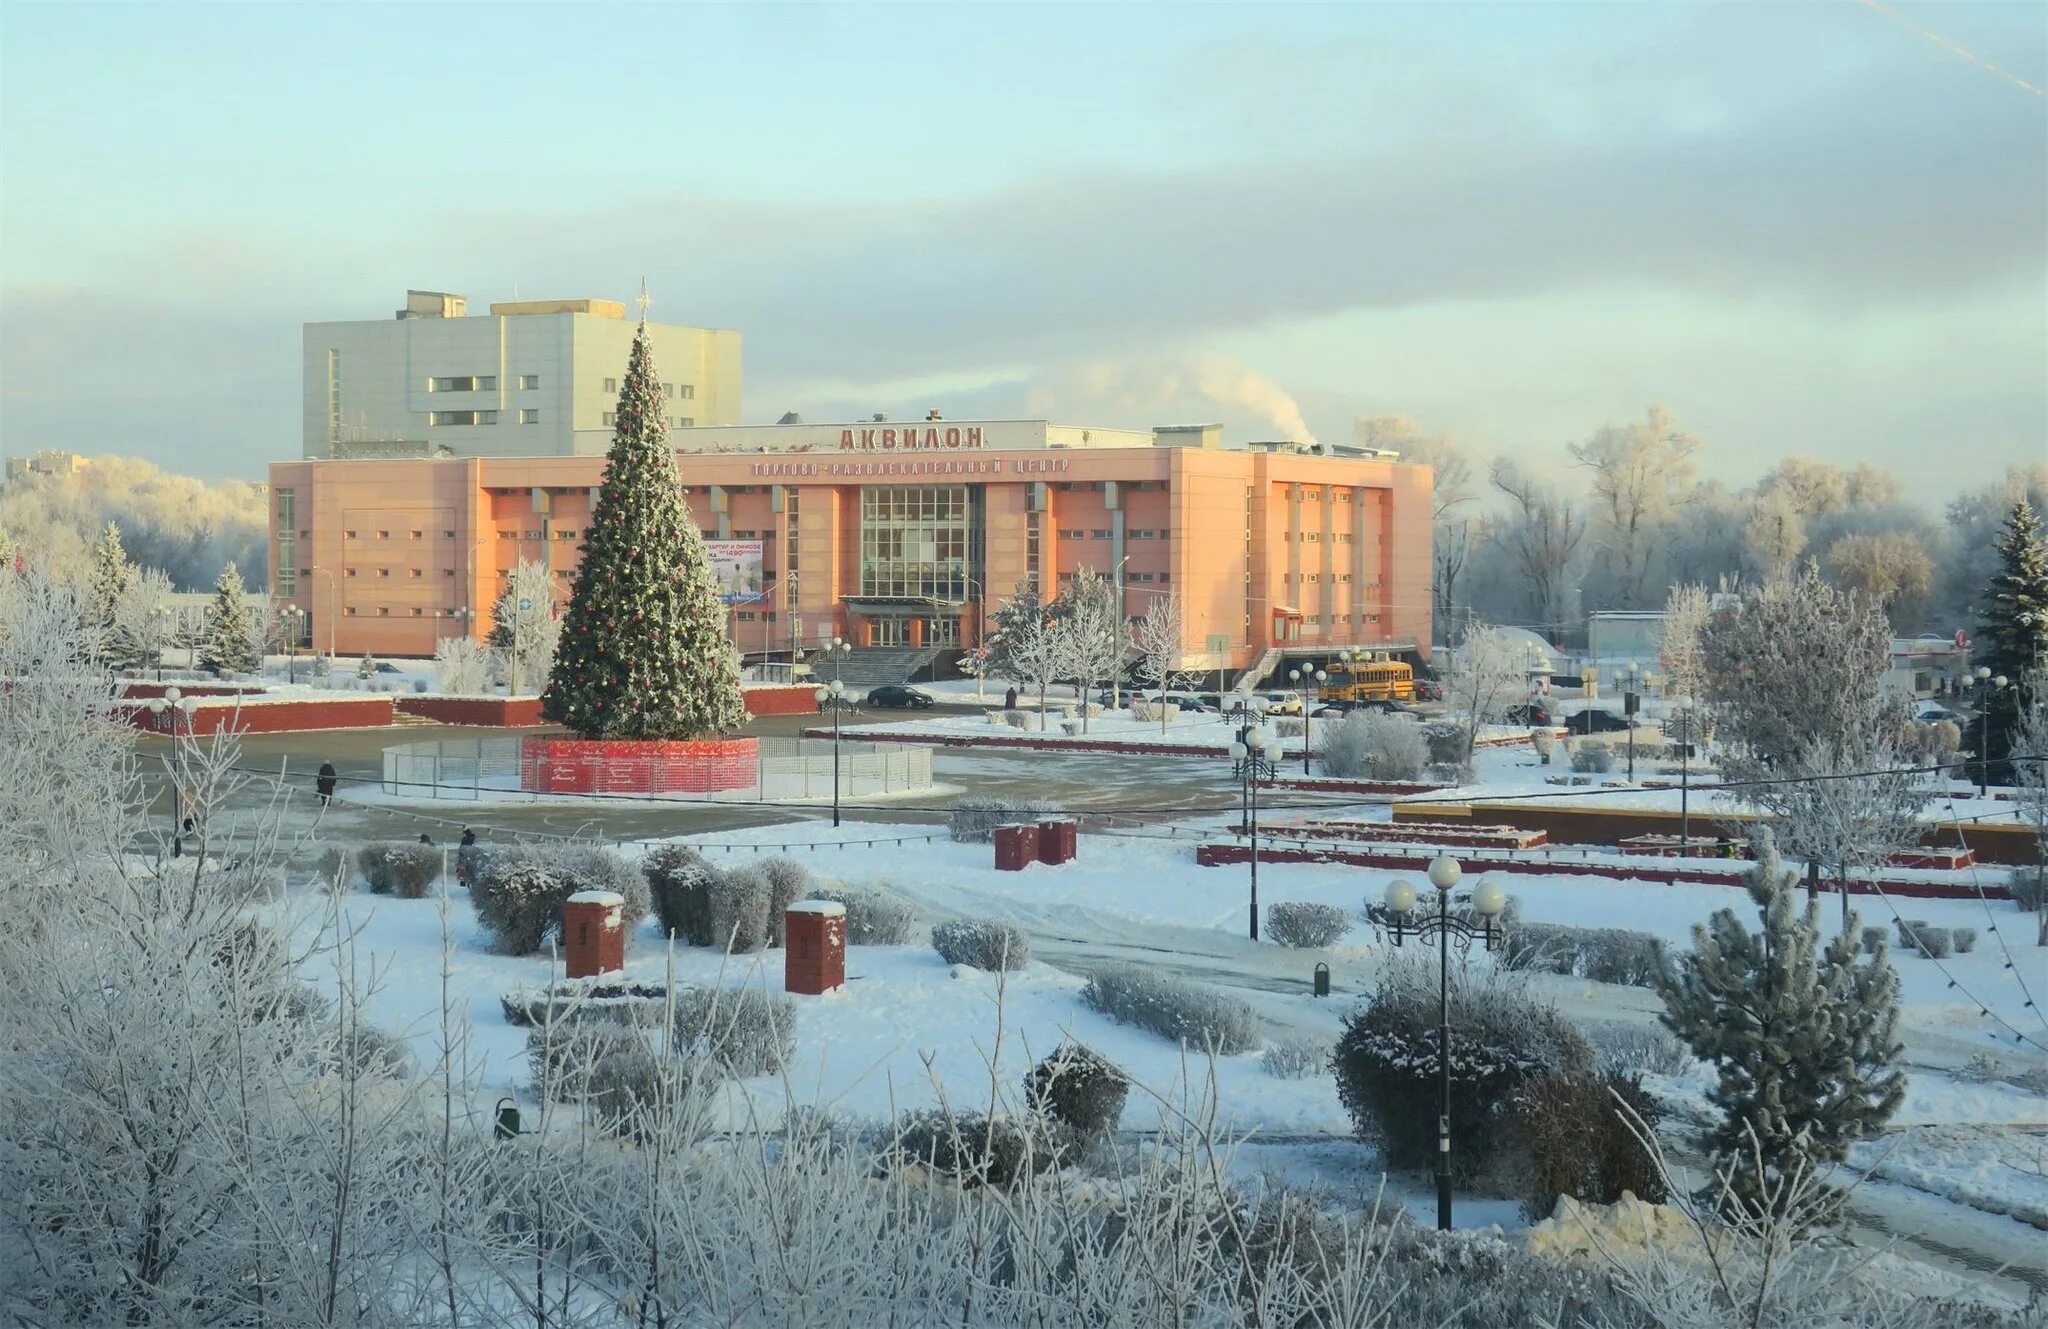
[
  {"x": 1428, "y": 689},
  {"x": 1282, "y": 703},
  {"x": 1595, "y": 720},
  {"x": 1531, "y": 714},
  {"x": 900, "y": 697},
  {"x": 1930, "y": 712}
]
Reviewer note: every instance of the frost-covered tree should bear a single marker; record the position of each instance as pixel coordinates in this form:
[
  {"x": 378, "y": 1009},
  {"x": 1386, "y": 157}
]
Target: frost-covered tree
[
  {"x": 644, "y": 652},
  {"x": 230, "y": 628},
  {"x": 524, "y": 640},
  {"x": 142, "y": 625},
  {"x": 1157, "y": 637},
  {"x": 1774, "y": 534},
  {"x": 2014, "y": 633},
  {"x": 1542, "y": 539},
  {"x": 1803, "y": 1036},
  {"x": 1488, "y": 676},
  {"x": 1030, "y": 646},
  {"x": 1097, "y": 636},
  {"x": 462, "y": 668},
  {"x": 1639, "y": 472},
  {"x": 1890, "y": 567},
  {"x": 2029, "y": 758},
  {"x": 111, "y": 576}
]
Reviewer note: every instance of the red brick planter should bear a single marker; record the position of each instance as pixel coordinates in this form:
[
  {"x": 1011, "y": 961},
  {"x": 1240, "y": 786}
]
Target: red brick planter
[
  {"x": 559, "y": 765},
  {"x": 492, "y": 712},
  {"x": 1328, "y": 784},
  {"x": 265, "y": 717}
]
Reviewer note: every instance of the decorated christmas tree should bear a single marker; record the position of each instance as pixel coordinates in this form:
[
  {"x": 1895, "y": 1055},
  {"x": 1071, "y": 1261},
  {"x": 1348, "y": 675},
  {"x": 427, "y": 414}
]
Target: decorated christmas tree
[
  {"x": 230, "y": 632},
  {"x": 644, "y": 653}
]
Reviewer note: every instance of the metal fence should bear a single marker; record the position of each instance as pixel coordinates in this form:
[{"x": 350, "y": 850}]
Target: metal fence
[{"x": 468, "y": 770}]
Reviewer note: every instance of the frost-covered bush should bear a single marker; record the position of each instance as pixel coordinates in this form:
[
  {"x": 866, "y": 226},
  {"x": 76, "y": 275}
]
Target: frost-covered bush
[
  {"x": 1908, "y": 929},
  {"x": 1343, "y": 747},
  {"x": 1018, "y": 719},
  {"x": 462, "y": 667},
  {"x": 1374, "y": 745},
  {"x": 968, "y": 1147},
  {"x": 370, "y": 860},
  {"x": 1577, "y": 1142},
  {"x": 975, "y": 818},
  {"x": 874, "y": 917},
  {"x": 1296, "y": 1057},
  {"x": 591, "y": 868},
  {"x": 1629, "y": 1050},
  {"x": 1199, "y": 1017},
  {"x": 410, "y": 869},
  {"x": 518, "y": 893},
  {"x": 335, "y": 867},
  {"x": 739, "y": 909},
  {"x": 1603, "y": 955},
  {"x": 1592, "y": 758},
  {"x": 1502, "y": 1037},
  {"x": 1306, "y": 925},
  {"x": 982, "y": 943},
  {"x": 679, "y": 882},
  {"x": 2026, "y": 888},
  {"x": 1079, "y": 1088},
  {"x": 1450, "y": 741},
  {"x": 1871, "y": 938},
  {"x": 1964, "y": 940},
  {"x": 1935, "y": 943},
  {"x": 788, "y": 882},
  {"x": 744, "y": 1031},
  {"x": 1287, "y": 726}
]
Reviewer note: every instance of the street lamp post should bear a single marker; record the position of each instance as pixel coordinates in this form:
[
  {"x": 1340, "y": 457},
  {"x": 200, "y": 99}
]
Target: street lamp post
[
  {"x": 291, "y": 614},
  {"x": 169, "y": 704},
  {"x": 1631, "y": 702},
  {"x": 838, "y": 650},
  {"x": 330, "y": 606},
  {"x": 1314, "y": 678},
  {"x": 1393, "y": 918},
  {"x": 831, "y": 694},
  {"x": 162, "y": 616},
  {"x": 1120, "y": 632},
  {"x": 1255, "y": 743},
  {"x": 1988, "y": 687}
]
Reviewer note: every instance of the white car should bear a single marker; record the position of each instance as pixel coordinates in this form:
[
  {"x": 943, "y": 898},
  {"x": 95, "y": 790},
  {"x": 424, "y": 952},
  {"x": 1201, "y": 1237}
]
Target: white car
[{"x": 1932, "y": 712}]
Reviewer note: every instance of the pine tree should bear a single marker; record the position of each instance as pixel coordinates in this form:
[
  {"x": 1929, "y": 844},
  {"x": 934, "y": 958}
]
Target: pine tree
[
  {"x": 112, "y": 578},
  {"x": 2015, "y": 623},
  {"x": 1805, "y": 1039},
  {"x": 644, "y": 652},
  {"x": 229, "y": 645}
]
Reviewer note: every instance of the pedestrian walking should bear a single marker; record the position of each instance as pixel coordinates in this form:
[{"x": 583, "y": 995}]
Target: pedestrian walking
[
  {"x": 465, "y": 858},
  {"x": 1010, "y": 699},
  {"x": 324, "y": 782}
]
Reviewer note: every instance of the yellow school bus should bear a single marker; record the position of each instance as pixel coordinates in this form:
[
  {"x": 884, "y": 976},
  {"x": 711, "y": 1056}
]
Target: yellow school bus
[{"x": 1369, "y": 680}]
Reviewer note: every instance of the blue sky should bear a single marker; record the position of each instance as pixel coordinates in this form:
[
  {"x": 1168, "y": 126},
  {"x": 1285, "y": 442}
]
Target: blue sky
[{"x": 1802, "y": 227}]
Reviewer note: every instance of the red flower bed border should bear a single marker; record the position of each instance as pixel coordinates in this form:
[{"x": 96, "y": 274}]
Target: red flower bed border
[
  {"x": 1020, "y": 741},
  {"x": 493, "y": 712},
  {"x": 560, "y": 765},
  {"x": 270, "y": 717},
  {"x": 1218, "y": 855}
]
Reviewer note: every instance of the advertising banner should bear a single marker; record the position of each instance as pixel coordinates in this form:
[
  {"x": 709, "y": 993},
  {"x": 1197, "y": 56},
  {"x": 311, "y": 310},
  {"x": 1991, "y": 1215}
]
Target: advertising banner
[{"x": 736, "y": 569}]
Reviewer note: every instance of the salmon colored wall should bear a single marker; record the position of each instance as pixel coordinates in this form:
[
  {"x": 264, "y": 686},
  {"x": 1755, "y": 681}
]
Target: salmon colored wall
[{"x": 487, "y": 504}]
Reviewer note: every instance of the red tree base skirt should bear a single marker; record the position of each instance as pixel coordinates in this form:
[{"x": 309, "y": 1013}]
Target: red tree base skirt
[{"x": 557, "y": 765}]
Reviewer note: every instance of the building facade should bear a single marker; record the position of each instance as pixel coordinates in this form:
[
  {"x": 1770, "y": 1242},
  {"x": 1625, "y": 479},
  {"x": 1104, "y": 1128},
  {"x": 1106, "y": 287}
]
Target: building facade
[
  {"x": 891, "y": 534},
  {"x": 533, "y": 378}
]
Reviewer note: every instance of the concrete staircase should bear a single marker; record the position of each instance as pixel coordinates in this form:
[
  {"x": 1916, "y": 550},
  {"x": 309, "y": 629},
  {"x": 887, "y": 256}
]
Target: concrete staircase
[
  {"x": 872, "y": 666},
  {"x": 1256, "y": 672}
]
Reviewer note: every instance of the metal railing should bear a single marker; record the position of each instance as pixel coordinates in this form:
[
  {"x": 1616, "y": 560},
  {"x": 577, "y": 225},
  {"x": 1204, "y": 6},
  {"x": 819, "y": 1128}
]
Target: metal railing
[{"x": 469, "y": 770}]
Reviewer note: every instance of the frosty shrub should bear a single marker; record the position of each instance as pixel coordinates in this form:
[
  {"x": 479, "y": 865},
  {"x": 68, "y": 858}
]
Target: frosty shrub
[
  {"x": 1449, "y": 741},
  {"x": 563, "y": 1058},
  {"x": 591, "y": 868},
  {"x": 744, "y": 1031},
  {"x": 982, "y": 943},
  {"x": 1628, "y": 1050},
  {"x": 679, "y": 882},
  {"x": 975, "y": 818},
  {"x": 370, "y": 864},
  {"x": 1579, "y": 1144},
  {"x": 1296, "y": 1057},
  {"x": 1592, "y": 758},
  {"x": 1305, "y": 925},
  {"x": 1935, "y": 943},
  {"x": 1079, "y": 1088},
  {"x": 1343, "y": 747},
  {"x": 1908, "y": 929},
  {"x": 969, "y": 1147},
  {"x": 873, "y": 916},
  {"x": 739, "y": 909},
  {"x": 1373, "y": 745},
  {"x": 335, "y": 867},
  {"x": 1287, "y": 726},
  {"x": 2025, "y": 886},
  {"x": 622, "y": 1088},
  {"x": 1604, "y": 955},
  {"x": 408, "y": 870},
  {"x": 788, "y": 882},
  {"x": 1502, "y": 1036},
  {"x": 1964, "y": 940},
  {"x": 1017, "y": 719},
  {"x": 1871, "y": 938},
  {"x": 1449, "y": 772},
  {"x": 1201, "y": 1018},
  {"x": 1477, "y": 1279},
  {"x": 518, "y": 892}
]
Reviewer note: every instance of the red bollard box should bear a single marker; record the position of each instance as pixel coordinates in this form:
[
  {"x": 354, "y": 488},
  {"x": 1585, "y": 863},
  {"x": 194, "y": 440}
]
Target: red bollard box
[
  {"x": 814, "y": 947},
  {"x": 1058, "y": 840},
  {"x": 594, "y": 932},
  {"x": 1016, "y": 847}
]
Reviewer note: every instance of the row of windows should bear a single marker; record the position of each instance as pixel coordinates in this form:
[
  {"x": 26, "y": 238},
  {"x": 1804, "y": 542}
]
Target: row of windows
[
  {"x": 1339, "y": 620},
  {"x": 447, "y": 418},
  {"x": 1313, "y": 577},
  {"x": 1079, "y": 534},
  {"x": 686, "y": 391},
  {"x": 1316, "y": 537},
  {"x": 479, "y": 383},
  {"x": 674, "y": 422}
]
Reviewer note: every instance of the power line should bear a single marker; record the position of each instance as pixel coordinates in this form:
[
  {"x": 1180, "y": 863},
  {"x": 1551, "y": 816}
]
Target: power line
[{"x": 1951, "y": 47}]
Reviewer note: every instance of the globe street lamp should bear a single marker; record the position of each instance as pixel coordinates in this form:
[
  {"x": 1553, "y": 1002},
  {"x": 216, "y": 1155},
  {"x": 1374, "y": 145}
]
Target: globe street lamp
[
  {"x": 1254, "y": 744},
  {"x": 1988, "y": 687},
  {"x": 832, "y": 694},
  {"x": 291, "y": 615},
  {"x": 1395, "y": 918},
  {"x": 1631, "y": 702},
  {"x": 1315, "y": 678},
  {"x": 838, "y": 650}
]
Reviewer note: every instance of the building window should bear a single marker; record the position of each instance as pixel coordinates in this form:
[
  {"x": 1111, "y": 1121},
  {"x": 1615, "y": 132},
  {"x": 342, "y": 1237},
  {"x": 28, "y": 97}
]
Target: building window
[
  {"x": 383, "y": 535},
  {"x": 686, "y": 422},
  {"x": 746, "y": 615},
  {"x": 469, "y": 383},
  {"x": 419, "y": 613},
  {"x": 529, "y": 382},
  {"x": 668, "y": 389},
  {"x": 416, "y": 534},
  {"x": 446, "y": 419},
  {"x": 348, "y": 535},
  {"x": 447, "y": 572},
  {"x": 529, "y": 415},
  {"x": 416, "y": 572},
  {"x": 915, "y": 541},
  {"x": 383, "y": 612},
  {"x": 351, "y": 611},
  {"x": 611, "y": 417},
  {"x": 611, "y": 385},
  {"x": 1100, "y": 535},
  {"x": 688, "y": 392},
  {"x": 383, "y": 573},
  {"x": 350, "y": 573}
]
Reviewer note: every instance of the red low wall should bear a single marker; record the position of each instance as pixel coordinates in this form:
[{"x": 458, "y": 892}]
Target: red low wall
[
  {"x": 1022, "y": 741},
  {"x": 556, "y": 765},
  {"x": 267, "y": 717},
  {"x": 492, "y": 712},
  {"x": 1325, "y": 784},
  {"x": 780, "y": 700},
  {"x": 1216, "y": 855},
  {"x": 146, "y": 688}
]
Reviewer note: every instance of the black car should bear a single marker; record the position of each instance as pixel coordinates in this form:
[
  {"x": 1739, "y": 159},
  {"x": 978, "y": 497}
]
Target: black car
[
  {"x": 900, "y": 697},
  {"x": 1529, "y": 715},
  {"x": 1596, "y": 721}
]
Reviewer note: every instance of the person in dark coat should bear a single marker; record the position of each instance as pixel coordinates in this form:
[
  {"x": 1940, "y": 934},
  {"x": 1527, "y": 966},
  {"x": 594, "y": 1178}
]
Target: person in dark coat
[
  {"x": 425, "y": 838},
  {"x": 324, "y": 782},
  {"x": 1010, "y": 699},
  {"x": 465, "y": 858}
]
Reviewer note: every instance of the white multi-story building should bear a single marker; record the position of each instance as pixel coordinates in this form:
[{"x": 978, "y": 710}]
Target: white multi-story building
[{"x": 534, "y": 378}]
